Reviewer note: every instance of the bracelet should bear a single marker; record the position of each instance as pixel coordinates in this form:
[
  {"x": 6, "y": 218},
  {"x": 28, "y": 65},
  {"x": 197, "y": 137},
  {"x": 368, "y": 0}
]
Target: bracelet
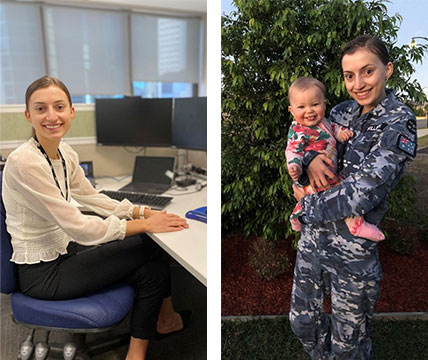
[{"x": 142, "y": 208}]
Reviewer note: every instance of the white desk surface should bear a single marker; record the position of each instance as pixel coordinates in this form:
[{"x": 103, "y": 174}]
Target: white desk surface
[{"x": 188, "y": 246}]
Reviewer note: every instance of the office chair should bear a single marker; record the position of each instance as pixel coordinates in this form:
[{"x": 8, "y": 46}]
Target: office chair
[{"x": 98, "y": 312}]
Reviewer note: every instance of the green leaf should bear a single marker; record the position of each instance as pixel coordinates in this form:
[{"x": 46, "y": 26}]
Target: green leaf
[
  {"x": 266, "y": 45},
  {"x": 265, "y": 106}
]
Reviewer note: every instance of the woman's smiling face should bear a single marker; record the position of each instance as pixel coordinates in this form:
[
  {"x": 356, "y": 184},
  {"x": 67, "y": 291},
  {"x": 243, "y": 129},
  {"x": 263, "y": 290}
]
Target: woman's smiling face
[
  {"x": 50, "y": 113},
  {"x": 365, "y": 76}
]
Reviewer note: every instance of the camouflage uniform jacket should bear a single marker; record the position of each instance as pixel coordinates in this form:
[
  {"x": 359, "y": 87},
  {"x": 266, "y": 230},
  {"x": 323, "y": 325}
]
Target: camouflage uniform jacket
[{"x": 372, "y": 163}]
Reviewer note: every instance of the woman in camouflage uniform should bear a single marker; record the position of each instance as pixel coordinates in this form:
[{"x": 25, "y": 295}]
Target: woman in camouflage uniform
[{"x": 329, "y": 258}]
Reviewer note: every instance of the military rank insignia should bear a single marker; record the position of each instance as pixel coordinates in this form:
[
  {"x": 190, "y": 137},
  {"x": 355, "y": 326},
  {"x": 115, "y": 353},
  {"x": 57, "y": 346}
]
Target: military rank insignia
[
  {"x": 411, "y": 126},
  {"x": 408, "y": 146}
]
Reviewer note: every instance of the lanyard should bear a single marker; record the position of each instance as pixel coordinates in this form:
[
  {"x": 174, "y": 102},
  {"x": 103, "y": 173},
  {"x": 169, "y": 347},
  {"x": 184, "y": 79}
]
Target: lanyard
[{"x": 40, "y": 147}]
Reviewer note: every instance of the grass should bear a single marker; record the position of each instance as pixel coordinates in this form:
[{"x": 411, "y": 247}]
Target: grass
[
  {"x": 423, "y": 141},
  {"x": 272, "y": 339}
]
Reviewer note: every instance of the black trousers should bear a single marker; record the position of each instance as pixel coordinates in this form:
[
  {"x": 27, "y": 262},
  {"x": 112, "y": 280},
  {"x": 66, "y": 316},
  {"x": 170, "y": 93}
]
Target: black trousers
[{"x": 136, "y": 260}]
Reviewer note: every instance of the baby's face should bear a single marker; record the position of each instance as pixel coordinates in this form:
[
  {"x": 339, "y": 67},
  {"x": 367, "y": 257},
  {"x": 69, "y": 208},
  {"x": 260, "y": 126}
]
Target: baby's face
[{"x": 307, "y": 106}]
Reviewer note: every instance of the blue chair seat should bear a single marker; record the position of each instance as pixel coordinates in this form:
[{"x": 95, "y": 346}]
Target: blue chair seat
[{"x": 96, "y": 311}]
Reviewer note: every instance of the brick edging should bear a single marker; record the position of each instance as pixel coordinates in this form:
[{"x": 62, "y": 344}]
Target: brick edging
[{"x": 382, "y": 316}]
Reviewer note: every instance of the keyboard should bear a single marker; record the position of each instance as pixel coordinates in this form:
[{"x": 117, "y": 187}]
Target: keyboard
[{"x": 156, "y": 202}]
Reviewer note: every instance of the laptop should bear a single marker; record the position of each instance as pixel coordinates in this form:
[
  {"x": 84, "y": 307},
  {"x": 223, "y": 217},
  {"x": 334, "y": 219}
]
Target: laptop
[
  {"x": 149, "y": 175},
  {"x": 88, "y": 170}
]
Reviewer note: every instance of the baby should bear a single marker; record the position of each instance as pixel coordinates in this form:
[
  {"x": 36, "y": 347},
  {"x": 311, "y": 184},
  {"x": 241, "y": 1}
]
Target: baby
[{"x": 311, "y": 131}]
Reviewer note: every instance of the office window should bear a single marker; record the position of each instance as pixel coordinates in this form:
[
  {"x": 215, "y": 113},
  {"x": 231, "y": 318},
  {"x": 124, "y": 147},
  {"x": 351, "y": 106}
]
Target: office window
[
  {"x": 165, "y": 49},
  {"x": 148, "y": 89},
  {"x": 98, "y": 52},
  {"x": 88, "y": 49},
  {"x": 22, "y": 57},
  {"x": 145, "y": 90},
  {"x": 90, "y": 99}
]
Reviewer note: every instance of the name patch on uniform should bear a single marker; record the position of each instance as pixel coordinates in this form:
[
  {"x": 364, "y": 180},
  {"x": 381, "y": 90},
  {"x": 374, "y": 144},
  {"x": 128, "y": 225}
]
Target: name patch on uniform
[
  {"x": 407, "y": 145},
  {"x": 376, "y": 127},
  {"x": 411, "y": 126}
]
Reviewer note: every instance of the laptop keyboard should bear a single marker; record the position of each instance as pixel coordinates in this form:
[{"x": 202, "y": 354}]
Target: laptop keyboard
[{"x": 154, "y": 201}]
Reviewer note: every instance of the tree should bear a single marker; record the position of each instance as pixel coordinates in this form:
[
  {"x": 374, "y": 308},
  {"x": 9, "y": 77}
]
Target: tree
[{"x": 266, "y": 44}]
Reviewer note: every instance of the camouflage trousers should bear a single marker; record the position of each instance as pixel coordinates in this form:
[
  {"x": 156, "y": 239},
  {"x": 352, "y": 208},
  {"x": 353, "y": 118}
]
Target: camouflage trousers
[{"x": 331, "y": 260}]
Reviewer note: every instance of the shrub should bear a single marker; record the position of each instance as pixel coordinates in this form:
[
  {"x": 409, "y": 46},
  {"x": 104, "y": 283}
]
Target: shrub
[
  {"x": 400, "y": 237},
  {"x": 402, "y": 199},
  {"x": 423, "y": 226},
  {"x": 266, "y": 44},
  {"x": 419, "y": 112},
  {"x": 402, "y": 230}
]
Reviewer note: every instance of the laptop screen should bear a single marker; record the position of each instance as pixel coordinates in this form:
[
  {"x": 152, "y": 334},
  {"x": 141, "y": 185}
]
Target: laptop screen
[
  {"x": 87, "y": 168},
  {"x": 151, "y": 169}
]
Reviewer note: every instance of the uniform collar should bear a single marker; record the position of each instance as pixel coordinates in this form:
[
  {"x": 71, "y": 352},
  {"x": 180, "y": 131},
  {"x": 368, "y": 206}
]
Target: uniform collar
[
  {"x": 348, "y": 112},
  {"x": 380, "y": 109},
  {"x": 385, "y": 105}
]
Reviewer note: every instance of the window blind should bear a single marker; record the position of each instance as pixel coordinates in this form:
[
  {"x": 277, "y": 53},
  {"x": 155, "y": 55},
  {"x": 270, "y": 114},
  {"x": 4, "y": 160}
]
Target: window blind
[
  {"x": 88, "y": 49},
  {"x": 165, "y": 49},
  {"x": 22, "y": 56},
  {"x": 91, "y": 50}
]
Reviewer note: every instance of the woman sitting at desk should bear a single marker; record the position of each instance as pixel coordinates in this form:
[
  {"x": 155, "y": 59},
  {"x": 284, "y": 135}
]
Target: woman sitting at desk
[{"x": 61, "y": 253}]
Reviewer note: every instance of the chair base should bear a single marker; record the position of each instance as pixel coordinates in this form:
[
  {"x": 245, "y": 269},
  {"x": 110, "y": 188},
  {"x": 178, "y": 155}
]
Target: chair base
[{"x": 85, "y": 350}]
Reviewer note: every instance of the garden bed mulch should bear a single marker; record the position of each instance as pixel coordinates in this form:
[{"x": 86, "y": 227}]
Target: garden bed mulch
[{"x": 404, "y": 287}]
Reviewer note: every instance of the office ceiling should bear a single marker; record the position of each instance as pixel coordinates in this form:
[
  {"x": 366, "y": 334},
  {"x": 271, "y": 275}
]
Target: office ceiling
[{"x": 180, "y": 6}]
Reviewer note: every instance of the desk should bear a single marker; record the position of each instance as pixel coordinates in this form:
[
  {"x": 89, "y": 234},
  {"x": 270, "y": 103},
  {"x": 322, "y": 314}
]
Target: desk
[{"x": 188, "y": 246}]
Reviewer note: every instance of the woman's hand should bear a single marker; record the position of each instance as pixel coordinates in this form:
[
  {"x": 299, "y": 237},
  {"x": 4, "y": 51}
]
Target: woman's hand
[
  {"x": 155, "y": 222},
  {"x": 318, "y": 172},
  {"x": 299, "y": 193},
  {"x": 149, "y": 212},
  {"x": 161, "y": 221}
]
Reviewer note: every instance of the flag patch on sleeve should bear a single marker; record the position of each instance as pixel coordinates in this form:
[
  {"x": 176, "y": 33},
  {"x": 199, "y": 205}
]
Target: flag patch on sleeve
[{"x": 408, "y": 146}]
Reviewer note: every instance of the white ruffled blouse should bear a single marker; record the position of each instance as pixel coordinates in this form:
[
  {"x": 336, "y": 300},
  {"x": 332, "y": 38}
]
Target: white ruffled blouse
[{"x": 40, "y": 221}]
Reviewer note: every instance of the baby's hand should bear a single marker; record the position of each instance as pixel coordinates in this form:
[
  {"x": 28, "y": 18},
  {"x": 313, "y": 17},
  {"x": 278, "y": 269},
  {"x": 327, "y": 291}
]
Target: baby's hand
[
  {"x": 295, "y": 171},
  {"x": 345, "y": 135}
]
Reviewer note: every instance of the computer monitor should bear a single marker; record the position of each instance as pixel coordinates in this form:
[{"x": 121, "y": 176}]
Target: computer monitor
[
  {"x": 133, "y": 121},
  {"x": 189, "y": 127}
]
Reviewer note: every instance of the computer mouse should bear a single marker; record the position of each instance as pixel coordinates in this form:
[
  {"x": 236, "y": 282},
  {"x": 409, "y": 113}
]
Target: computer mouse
[{"x": 200, "y": 186}]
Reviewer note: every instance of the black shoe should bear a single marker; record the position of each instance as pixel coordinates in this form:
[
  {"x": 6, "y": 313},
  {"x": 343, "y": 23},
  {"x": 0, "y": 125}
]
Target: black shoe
[{"x": 186, "y": 316}]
